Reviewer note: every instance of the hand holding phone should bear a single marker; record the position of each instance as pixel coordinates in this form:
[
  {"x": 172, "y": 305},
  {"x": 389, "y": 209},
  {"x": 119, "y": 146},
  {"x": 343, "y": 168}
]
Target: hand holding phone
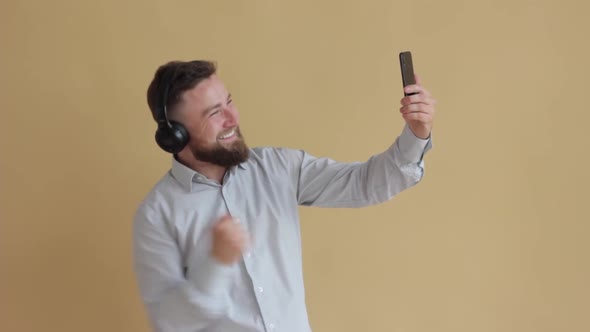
[
  {"x": 407, "y": 68},
  {"x": 418, "y": 112}
]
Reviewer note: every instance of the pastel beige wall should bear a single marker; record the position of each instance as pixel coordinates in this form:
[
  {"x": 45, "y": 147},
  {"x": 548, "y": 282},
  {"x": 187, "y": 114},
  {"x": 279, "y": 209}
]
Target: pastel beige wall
[{"x": 494, "y": 239}]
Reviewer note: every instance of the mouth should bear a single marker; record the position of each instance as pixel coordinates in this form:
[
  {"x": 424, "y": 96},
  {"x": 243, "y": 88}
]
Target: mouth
[{"x": 231, "y": 134}]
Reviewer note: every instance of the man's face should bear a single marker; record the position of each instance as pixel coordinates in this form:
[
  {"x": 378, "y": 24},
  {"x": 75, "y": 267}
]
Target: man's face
[{"x": 211, "y": 118}]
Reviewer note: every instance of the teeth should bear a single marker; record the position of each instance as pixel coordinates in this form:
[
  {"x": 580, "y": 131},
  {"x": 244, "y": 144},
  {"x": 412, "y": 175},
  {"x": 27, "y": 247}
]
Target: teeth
[{"x": 231, "y": 133}]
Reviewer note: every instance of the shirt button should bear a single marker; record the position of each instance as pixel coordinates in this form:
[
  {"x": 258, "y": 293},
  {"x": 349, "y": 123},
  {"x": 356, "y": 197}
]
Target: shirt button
[
  {"x": 248, "y": 254},
  {"x": 260, "y": 289},
  {"x": 271, "y": 326}
]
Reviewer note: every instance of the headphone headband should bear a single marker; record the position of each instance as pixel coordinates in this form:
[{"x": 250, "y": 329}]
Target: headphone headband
[
  {"x": 163, "y": 107},
  {"x": 171, "y": 136}
]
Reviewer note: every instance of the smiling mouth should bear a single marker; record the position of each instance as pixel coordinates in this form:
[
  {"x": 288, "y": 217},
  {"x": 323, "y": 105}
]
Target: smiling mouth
[{"x": 230, "y": 134}]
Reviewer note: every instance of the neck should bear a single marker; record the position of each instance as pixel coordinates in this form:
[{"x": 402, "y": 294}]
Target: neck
[{"x": 210, "y": 171}]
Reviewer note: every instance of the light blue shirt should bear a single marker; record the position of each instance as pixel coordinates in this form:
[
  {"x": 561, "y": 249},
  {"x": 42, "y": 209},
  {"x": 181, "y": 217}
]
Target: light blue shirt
[{"x": 185, "y": 289}]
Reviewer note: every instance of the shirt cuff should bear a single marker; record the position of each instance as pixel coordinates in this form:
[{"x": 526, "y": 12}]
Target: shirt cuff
[
  {"x": 411, "y": 147},
  {"x": 211, "y": 277}
]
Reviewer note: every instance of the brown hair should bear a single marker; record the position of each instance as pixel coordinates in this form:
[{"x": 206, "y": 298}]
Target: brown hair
[{"x": 174, "y": 78}]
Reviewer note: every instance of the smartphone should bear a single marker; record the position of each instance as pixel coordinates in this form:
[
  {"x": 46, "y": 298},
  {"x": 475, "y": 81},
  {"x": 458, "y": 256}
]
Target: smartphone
[{"x": 407, "y": 67}]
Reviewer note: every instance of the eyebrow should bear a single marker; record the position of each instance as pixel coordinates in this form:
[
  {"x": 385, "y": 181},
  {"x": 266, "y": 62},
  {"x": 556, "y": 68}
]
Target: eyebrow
[{"x": 210, "y": 108}]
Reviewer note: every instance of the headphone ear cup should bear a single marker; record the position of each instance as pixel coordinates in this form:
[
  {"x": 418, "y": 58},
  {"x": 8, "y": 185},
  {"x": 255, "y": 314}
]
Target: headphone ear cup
[{"x": 172, "y": 139}]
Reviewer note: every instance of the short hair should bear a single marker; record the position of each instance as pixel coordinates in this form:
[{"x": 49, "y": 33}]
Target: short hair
[{"x": 174, "y": 78}]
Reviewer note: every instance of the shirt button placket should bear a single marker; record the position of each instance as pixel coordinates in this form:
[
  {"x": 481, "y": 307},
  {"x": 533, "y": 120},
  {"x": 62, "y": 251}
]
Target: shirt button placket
[
  {"x": 237, "y": 218},
  {"x": 247, "y": 262},
  {"x": 260, "y": 290},
  {"x": 227, "y": 199}
]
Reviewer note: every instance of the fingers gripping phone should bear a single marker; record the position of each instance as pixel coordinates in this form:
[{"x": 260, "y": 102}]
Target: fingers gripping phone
[{"x": 407, "y": 68}]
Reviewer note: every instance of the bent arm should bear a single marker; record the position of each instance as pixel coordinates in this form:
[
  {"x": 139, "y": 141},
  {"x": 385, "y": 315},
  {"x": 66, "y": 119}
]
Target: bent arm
[
  {"x": 175, "y": 302},
  {"x": 326, "y": 183}
]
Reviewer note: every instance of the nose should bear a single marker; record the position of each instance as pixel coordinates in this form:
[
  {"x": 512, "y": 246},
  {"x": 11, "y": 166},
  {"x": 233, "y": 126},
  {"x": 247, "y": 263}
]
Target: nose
[{"x": 230, "y": 117}]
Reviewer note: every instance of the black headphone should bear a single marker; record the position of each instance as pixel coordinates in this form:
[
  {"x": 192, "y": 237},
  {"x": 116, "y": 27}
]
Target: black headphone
[{"x": 171, "y": 136}]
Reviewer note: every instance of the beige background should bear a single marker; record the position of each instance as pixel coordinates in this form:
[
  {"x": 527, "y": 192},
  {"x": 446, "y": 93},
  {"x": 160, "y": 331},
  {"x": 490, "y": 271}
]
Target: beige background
[{"x": 494, "y": 239}]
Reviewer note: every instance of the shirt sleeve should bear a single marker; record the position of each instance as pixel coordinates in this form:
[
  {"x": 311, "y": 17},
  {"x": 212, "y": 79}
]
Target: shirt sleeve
[
  {"x": 324, "y": 182},
  {"x": 175, "y": 302}
]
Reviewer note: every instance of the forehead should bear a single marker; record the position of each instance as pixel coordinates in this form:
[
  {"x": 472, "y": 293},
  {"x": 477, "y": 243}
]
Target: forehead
[{"x": 208, "y": 92}]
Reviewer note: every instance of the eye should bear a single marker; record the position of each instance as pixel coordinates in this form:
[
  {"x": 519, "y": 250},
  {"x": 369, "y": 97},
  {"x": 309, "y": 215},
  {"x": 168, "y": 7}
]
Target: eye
[
  {"x": 229, "y": 101},
  {"x": 214, "y": 113}
]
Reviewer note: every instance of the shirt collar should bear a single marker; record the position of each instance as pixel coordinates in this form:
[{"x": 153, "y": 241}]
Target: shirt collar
[{"x": 185, "y": 175}]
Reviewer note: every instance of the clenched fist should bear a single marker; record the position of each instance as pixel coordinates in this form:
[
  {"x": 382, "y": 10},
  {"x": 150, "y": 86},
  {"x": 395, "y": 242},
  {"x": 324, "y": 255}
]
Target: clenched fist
[{"x": 229, "y": 240}]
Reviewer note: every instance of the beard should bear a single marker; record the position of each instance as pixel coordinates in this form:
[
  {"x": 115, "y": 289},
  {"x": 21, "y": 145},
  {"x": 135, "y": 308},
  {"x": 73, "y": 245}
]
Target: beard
[{"x": 226, "y": 156}]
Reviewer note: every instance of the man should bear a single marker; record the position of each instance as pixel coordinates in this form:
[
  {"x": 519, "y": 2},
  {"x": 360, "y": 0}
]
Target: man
[{"x": 217, "y": 241}]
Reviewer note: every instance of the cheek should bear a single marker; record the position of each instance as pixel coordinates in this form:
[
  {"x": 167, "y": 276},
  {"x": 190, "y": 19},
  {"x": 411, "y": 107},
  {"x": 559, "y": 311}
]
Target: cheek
[
  {"x": 199, "y": 132},
  {"x": 210, "y": 131}
]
